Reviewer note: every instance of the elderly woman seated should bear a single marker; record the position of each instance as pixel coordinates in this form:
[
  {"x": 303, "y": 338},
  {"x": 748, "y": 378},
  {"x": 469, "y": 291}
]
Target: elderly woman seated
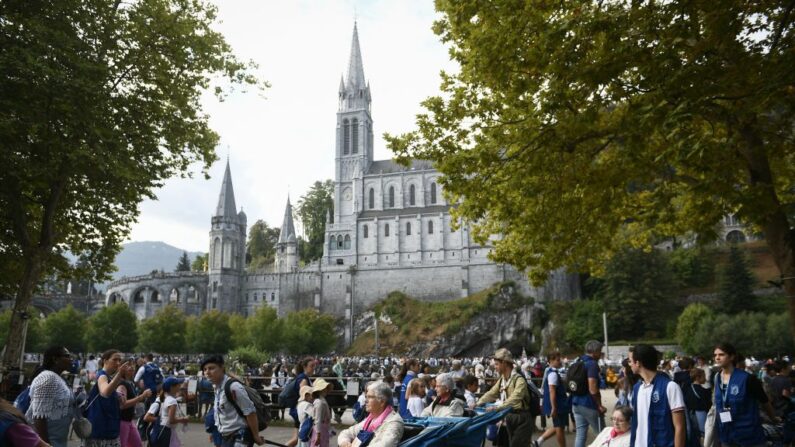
[
  {"x": 383, "y": 427},
  {"x": 445, "y": 404}
]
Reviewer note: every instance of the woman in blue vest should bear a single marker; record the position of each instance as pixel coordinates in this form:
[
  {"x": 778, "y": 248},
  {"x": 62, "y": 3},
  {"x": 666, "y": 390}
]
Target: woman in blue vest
[
  {"x": 408, "y": 372},
  {"x": 555, "y": 404},
  {"x": 303, "y": 370},
  {"x": 737, "y": 398},
  {"x": 104, "y": 410}
]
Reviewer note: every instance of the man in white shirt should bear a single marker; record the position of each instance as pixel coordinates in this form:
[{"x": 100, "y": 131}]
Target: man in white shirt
[{"x": 655, "y": 394}]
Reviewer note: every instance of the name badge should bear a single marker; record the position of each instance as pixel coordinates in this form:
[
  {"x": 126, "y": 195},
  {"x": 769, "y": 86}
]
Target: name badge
[{"x": 725, "y": 417}]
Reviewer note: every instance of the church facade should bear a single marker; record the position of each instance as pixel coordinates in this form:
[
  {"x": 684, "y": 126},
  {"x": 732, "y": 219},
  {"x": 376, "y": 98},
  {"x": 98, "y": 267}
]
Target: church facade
[{"x": 390, "y": 230}]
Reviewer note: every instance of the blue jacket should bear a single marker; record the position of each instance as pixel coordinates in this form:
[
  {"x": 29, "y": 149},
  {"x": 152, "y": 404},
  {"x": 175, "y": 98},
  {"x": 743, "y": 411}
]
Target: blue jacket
[
  {"x": 660, "y": 424},
  {"x": 403, "y": 402},
  {"x": 561, "y": 399},
  {"x": 103, "y": 412},
  {"x": 745, "y": 427}
]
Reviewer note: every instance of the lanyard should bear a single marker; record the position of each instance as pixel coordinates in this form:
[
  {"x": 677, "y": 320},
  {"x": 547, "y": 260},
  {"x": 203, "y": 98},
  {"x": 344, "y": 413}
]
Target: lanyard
[{"x": 724, "y": 393}]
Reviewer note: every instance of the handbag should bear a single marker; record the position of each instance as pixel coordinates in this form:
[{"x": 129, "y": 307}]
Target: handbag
[
  {"x": 80, "y": 424},
  {"x": 162, "y": 438}
]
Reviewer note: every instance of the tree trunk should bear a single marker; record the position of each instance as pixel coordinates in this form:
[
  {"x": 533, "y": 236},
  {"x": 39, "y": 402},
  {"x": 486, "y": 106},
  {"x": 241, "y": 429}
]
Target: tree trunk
[
  {"x": 15, "y": 343},
  {"x": 779, "y": 235}
]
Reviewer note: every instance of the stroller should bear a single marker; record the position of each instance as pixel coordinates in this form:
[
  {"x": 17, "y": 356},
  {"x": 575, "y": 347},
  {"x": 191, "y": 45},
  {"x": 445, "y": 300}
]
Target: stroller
[
  {"x": 783, "y": 434},
  {"x": 455, "y": 431}
]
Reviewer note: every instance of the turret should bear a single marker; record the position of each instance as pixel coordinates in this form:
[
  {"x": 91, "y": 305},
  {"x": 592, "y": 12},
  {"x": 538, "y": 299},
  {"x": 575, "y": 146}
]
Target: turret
[
  {"x": 227, "y": 249},
  {"x": 287, "y": 246}
]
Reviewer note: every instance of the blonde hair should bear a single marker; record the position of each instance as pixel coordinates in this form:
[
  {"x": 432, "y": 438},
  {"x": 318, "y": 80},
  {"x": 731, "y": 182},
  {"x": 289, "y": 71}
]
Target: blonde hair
[{"x": 416, "y": 388}]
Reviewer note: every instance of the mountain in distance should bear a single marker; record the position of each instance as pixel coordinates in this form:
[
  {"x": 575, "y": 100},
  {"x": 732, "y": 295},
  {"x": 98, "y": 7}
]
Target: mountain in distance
[{"x": 140, "y": 258}]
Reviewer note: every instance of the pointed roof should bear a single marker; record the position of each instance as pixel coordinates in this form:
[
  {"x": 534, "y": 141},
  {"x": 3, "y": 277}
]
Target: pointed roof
[
  {"x": 355, "y": 79},
  {"x": 287, "y": 233},
  {"x": 226, "y": 201}
]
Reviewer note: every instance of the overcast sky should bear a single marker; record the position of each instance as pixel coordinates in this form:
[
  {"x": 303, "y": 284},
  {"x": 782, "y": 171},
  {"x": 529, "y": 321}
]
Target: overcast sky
[{"x": 284, "y": 141}]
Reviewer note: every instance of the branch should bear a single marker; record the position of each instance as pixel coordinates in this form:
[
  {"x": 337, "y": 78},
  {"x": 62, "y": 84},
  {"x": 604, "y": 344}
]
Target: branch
[{"x": 780, "y": 29}]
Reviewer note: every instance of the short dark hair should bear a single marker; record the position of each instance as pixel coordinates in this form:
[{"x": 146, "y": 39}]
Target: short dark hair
[
  {"x": 728, "y": 348},
  {"x": 646, "y": 355},
  {"x": 216, "y": 359},
  {"x": 686, "y": 363},
  {"x": 469, "y": 379},
  {"x": 150, "y": 357},
  {"x": 554, "y": 355},
  {"x": 51, "y": 355}
]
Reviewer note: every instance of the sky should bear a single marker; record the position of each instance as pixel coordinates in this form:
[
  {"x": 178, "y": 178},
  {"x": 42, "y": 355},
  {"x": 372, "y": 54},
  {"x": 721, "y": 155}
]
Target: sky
[{"x": 281, "y": 141}]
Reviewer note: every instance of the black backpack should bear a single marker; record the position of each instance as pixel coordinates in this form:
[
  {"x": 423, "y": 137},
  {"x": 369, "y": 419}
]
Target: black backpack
[
  {"x": 577, "y": 379},
  {"x": 262, "y": 411}
]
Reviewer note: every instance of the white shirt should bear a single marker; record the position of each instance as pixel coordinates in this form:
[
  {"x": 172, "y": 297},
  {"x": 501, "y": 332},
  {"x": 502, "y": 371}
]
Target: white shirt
[
  {"x": 552, "y": 379},
  {"x": 170, "y": 402},
  {"x": 415, "y": 405},
  {"x": 92, "y": 366},
  {"x": 139, "y": 374},
  {"x": 675, "y": 401},
  {"x": 472, "y": 401}
]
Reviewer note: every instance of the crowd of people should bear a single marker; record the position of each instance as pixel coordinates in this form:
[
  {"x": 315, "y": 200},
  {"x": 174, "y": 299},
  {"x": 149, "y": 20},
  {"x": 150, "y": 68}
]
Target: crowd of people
[{"x": 133, "y": 400}]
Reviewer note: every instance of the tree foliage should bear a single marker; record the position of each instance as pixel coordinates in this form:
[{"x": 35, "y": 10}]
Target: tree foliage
[
  {"x": 200, "y": 263},
  {"x": 577, "y": 128},
  {"x": 692, "y": 267},
  {"x": 265, "y": 329},
  {"x": 261, "y": 246},
  {"x": 164, "y": 332},
  {"x": 35, "y": 340},
  {"x": 209, "y": 333},
  {"x": 737, "y": 284},
  {"x": 582, "y": 322},
  {"x": 240, "y": 332},
  {"x": 67, "y": 327},
  {"x": 757, "y": 334},
  {"x": 312, "y": 210},
  {"x": 113, "y": 327},
  {"x": 184, "y": 264},
  {"x": 100, "y": 103},
  {"x": 692, "y": 318}
]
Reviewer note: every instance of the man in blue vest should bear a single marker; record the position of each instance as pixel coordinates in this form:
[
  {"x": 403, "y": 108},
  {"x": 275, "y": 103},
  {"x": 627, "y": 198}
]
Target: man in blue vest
[
  {"x": 587, "y": 408},
  {"x": 658, "y": 402},
  {"x": 555, "y": 404},
  {"x": 149, "y": 376},
  {"x": 737, "y": 399}
]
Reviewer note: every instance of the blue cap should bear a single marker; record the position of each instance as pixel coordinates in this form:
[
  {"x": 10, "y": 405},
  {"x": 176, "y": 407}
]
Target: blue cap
[{"x": 171, "y": 381}]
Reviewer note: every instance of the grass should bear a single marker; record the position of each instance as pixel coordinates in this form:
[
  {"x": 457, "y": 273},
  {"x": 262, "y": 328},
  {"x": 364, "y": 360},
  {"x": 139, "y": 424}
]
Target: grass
[{"x": 415, "y": 321}]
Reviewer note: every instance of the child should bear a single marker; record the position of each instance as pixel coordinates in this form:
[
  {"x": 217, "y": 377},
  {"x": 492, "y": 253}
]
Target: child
[
  {"x": 321, "y": 432},
  {"x": 416, "y": 393},
  {"x": 470, "y": 383},
  {"x": 305, "y": 410},
  {"x": 170, "y": 412}
]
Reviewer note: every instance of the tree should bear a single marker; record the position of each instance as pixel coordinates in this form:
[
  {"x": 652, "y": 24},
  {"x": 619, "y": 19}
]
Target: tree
[
  {"x": 266, "y": 329},
  {"x": 308, "y": 332},
  {"x": 210, "y": 333},
  {"x": 312, "y": 210},
  {"x": 113, "y": 327},
  {"x": 637, "y": 292},
  {"x": 67, "y": 328},
  {"x": 692, "y": 267},
  {"x": 200, "y": 263},
  {"x": 184, "y": 264},
  {"x": 576, "y": 128},
  {"x": 581, "y": 321},
  {"x": 692, "y": 318},
  {"x": 100, "y": 103},
  {"x": 736, "y": 284},
  {"x": 35, "y": 340},
  {"x": 164, "y": 332},
  {"x": 261, "y": 246},
  {"x": 240, "y": 333}
]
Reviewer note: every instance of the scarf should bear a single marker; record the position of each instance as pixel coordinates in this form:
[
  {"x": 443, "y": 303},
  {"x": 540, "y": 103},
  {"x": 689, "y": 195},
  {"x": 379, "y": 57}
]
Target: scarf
[
  {"x": 614, "y": 433},
  {"x": 50, "y": 397},
  {"x": 371, "y": 424}
]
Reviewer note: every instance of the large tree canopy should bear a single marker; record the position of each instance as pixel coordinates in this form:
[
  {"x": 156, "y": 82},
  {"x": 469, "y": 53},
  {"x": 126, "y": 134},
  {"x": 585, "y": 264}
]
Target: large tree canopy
[
  {"x": 99, "y": 103},
  {"x": 313, "y": 208},
  {"x": 577, "y": 128}
]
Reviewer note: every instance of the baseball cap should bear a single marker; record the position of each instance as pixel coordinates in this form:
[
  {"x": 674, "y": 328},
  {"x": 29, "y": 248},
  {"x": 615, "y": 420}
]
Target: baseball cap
[{"x": 171, "y": 381}]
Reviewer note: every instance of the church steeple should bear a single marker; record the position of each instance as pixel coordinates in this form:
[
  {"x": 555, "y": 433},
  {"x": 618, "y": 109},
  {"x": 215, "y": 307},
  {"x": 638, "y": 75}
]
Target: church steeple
[
  {"x": 226, "y": 200},
  {"x": 355, "y": 68},
  {"x": 287, "y": 233},
  {"x": 354, "y": 89}
]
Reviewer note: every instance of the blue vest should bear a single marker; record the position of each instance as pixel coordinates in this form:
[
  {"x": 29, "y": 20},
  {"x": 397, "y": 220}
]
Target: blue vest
[
  {"x": 561, "y": 399},
  {"x": 745, "y": 427},
  {"x": 661, "y": 423},
  {"x": 104, "y": 413},
  {"x": 153, "y": 377},
  {"x": 403, "y": 402}
]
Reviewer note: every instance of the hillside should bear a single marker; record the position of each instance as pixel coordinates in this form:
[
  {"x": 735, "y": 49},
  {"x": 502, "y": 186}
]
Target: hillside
[
  {"x": 140, "y": 258},
  {"x": 471, "y": 325}
]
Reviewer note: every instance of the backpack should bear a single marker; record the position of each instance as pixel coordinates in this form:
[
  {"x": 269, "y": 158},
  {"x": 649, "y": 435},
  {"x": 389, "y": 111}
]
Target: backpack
[
  {"x": 358, "y": 412},
  {"x": 577, "y": 379},
  {"x": 305, "y": 432},
  {"x": 535, "y": 396},
  {"x": 262, "y": 411},
  {"x": 153, "y": 377},
  {"x": 288, "y": 398},
  {"x": 22, "y": 402}
]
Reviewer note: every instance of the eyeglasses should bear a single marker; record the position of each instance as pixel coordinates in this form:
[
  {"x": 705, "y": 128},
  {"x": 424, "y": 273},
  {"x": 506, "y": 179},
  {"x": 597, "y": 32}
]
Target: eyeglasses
[{"x": 618, "y": 421}]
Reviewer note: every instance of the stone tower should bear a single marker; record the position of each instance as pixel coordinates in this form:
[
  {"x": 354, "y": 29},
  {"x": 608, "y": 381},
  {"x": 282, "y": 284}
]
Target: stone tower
[
  {"x": 287, "y": 246},
  {"x": 354, "y": 145},
  {"x": 227, "y": 250}
]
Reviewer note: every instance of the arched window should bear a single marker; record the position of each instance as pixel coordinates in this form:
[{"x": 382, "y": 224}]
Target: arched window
[
  {"x": 391, "y": 196},
  {"x": 333, "y": 242},
  {"x": 355, "y": 139},
  {"x": 255, "y": 297},
  {"x": 217, "y": 253},
  {"x": 346, "y": 139},
  {"x": 371, "y": 199},
  {"x": 347, "y": 242},
  {"x": 386, "y": 230},
  {"x": 273, "y": 296},
  {"x": 339, "y": 242},
  {"x": 433, "y": 192},
  {"x": 408, "y": 228},
  {"x": 365, "y": 231},
  {"x": 412, "y": 195},
  {"x": 430, "y": 227}
]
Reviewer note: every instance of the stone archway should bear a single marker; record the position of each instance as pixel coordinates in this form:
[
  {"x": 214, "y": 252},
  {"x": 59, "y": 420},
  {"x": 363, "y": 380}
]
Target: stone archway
[{"x": 735, "y": 237}]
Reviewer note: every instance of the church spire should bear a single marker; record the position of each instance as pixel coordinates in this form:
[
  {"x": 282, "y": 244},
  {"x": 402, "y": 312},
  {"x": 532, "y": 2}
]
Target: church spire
[
  {"x": 226, "y": 200},
  {"x": 355, "y": 80},
  {"x": 287, "y": 233}
]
